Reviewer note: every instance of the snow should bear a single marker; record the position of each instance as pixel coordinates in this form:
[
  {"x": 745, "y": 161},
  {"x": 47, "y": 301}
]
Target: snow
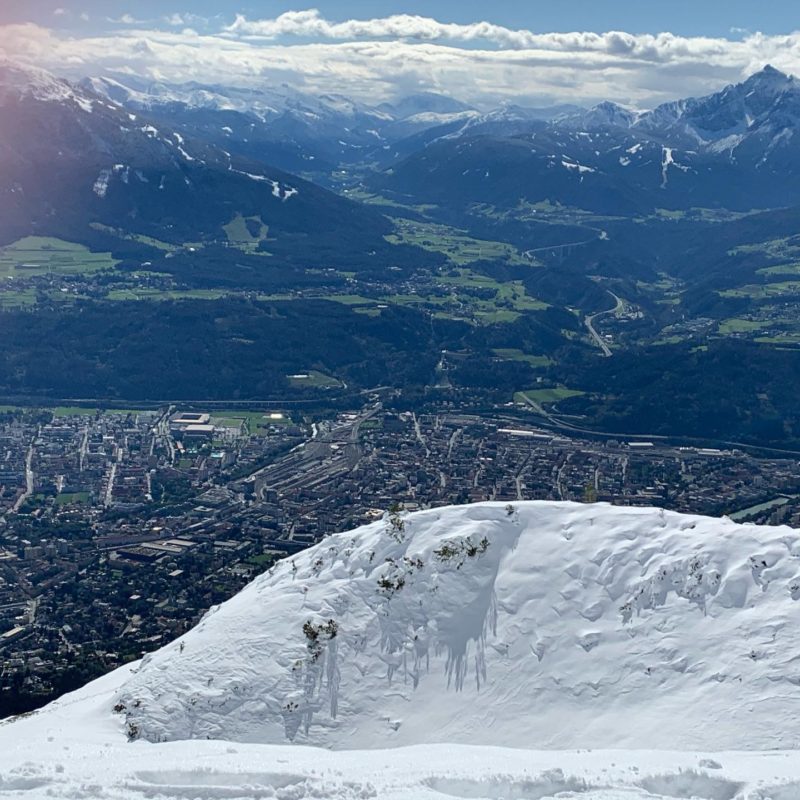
[
  {"x": 25, "y": 80},
  {"x": 100, "y": 187},
  {"x": 183, "y": 152},
  {"x": 282, "y": 193},
  {"x": 76, "y": 749},
  {"x": 579, "y": 167},
  {"x": 674, "y": 608},
  {"x": 73, "y": 750},
  {"x": 466, "y": 642}
]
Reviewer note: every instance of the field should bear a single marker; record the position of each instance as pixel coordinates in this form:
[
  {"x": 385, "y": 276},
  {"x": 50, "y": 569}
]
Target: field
[
  {"x": 773, "y": 248},
  {"x": 257, "y": 421},
  {"x": 457, "y": 245},
  {"x": 17, "y": 298},
  {"x": 313, "y": 379},
  {"x": 472, "y": 298},
  {"x": 764, "y": 291},
  {"x": 546, "y": 396},
  {"x": 792, "y": 268},
  {"x": 247, "y": 233},
  {"x": 789, "y": 337},
  {"x": 350, "y": 299},
  {"x": 68, "y": 499},
  {"x": 379, "y": 200},
  {"x": 167, "y": 294},
  {"x": 737, "y": 325},
  {"x": 42, "y": 255},
  {"x": 511, "y": 293},
  {"x": 135, "y": 237},
  {"x": 508, "y": 354},
  {"x": 74, "y": 411}
]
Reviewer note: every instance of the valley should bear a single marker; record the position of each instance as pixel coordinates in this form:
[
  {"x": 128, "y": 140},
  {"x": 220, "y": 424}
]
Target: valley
[{"x": 400, "y": 407}]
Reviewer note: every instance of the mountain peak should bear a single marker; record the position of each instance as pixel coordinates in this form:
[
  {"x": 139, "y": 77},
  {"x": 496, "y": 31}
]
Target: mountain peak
[
  {"x": 770, "y": 79},
  {"x": 18, "y": 80},
  {"x": 604, "y": 115},
  {"x": 771, "y": 72}
]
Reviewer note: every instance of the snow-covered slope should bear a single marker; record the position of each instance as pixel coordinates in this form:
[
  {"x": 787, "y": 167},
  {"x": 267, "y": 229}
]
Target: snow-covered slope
[
  {"x": 541, "y": 625},
  {"x": 76, "y": 750},
  {"x": 545, "y": 625}
]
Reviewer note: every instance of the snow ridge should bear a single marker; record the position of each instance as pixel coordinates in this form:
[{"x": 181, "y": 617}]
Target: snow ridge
[{"x": 533, "y": 625}]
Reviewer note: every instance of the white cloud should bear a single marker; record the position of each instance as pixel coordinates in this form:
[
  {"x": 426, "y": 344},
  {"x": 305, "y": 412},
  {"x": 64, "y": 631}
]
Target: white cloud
[
  {"x": 59, "y": 12},
  {"x": 377, "y": 59},
  {"x": 186, "y": 21},
  {"x": 127, "y": 19}
]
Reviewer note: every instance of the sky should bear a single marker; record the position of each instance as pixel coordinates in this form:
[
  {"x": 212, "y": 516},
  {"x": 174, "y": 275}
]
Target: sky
[{"x": 538, "y": 51}]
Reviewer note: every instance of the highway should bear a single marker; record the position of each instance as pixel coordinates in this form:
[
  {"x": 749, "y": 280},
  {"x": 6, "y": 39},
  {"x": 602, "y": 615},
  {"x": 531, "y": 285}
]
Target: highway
[{"x": 589, "y": 321}]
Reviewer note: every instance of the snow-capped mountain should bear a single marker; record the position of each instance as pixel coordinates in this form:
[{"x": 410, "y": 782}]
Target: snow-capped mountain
[
  {"x": 540, "y": 625},
  {"x": 443, "y": 634},
  {"x": 295, "y": 130},
  {"x": 737, "y": 148},
  {"x": 17, "y": 82},
  {"x": 767, "y": 99},
  {"x": 71, "y": 158},
  {"x": 423, "y": 103},
  {"x": 602, "y": 116}
]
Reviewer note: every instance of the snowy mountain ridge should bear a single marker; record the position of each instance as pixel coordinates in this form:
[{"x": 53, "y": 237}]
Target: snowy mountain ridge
[
  {"x": 542, "y": 625},
  {"x": 24, "y": 81}
]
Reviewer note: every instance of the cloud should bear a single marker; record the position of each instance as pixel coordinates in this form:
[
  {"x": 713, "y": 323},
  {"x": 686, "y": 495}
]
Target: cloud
[
  {"x": 377, "y": 59},
  {"x": 60, "y": 12},
  {"x": 126, "y": 19},
  {"x": 643, "y": 47},
  {"x": 186, "y": 21}
]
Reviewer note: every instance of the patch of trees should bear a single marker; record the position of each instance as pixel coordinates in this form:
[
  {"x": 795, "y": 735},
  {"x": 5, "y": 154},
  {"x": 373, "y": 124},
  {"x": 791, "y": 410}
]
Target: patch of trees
[{"x": 733, "y": 391}]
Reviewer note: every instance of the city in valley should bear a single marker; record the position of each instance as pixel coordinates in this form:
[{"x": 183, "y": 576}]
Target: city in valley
[{"x": 119, "y": 529}]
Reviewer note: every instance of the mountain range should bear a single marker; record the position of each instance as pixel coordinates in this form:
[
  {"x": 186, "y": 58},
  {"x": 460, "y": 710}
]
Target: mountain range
[
  {"x": 186, "y": 159},
  {"x": 736, "y": 149},
  {"x": 74, "y": 163}
]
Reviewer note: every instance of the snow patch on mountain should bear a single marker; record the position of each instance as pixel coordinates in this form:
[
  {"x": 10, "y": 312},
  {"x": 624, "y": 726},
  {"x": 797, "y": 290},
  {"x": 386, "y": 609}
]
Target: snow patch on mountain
[{"x": 100, "y": 187}]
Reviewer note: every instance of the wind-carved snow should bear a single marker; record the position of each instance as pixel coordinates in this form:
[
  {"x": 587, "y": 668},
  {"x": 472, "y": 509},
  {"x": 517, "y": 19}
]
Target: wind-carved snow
[{"x": 541, "y": 625}]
